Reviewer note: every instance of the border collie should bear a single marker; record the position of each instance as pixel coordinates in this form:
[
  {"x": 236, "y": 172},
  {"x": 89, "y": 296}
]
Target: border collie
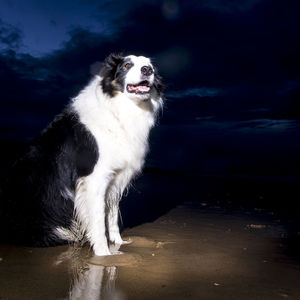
[{"x": 68, "y": 185}]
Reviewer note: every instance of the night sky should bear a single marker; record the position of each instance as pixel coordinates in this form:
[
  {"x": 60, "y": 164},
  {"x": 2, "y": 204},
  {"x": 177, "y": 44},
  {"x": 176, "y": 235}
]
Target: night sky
[{"x": 231, "y": 69}]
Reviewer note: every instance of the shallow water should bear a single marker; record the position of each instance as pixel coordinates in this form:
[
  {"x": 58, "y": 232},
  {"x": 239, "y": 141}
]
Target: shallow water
[{"x": 192, "y": 252}]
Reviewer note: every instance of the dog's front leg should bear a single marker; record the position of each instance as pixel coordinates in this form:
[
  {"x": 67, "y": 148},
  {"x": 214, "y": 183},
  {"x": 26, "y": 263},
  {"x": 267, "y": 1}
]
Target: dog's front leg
[
  {"x": 91, "y": 211},
  {"x": 96, "y": 233},
  {"x": 113, "y": 226},
  {"x": 115, "y": 193}
]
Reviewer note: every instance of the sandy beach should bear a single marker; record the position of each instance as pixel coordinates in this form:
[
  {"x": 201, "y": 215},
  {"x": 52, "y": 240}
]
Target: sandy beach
[{"x": 195, "y": 251}]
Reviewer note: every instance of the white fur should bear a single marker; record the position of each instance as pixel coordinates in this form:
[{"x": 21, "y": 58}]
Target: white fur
[
  {"x": 133, "y": 76},
  {"x": 121, "y": 127}
]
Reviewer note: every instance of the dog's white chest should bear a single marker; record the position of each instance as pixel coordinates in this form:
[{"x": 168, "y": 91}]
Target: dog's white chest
[
  {"x": 120, "y": 128},
  {"x": 123, "y": 141}
]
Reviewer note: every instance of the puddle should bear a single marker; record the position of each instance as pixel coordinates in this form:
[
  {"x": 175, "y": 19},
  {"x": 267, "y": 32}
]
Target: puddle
[
  {"x": 124, "y": 259},
  {"x": 190, "y": 253}
]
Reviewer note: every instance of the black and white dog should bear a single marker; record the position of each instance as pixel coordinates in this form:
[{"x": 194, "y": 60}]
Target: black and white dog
[{"x": 68, "y": 185}]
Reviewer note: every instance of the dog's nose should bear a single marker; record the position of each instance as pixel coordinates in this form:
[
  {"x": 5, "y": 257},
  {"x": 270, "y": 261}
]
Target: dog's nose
[{"x": 147, "y": 70}]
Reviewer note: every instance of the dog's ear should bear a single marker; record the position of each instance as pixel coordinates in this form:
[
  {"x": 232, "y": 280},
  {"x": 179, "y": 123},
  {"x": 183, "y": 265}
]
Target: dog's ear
[
  {"x": 110, "y": 64},
  {"x": 114, "y": 59},
  {"x": 108, "y": 71}
]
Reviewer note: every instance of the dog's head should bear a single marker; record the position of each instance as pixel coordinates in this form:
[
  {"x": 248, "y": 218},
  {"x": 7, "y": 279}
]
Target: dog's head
[{"x": 132, "y": 75}]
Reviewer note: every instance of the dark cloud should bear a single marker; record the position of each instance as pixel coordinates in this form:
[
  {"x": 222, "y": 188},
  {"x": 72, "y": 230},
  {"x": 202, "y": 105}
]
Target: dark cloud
[
  {"x": 231, "y": 69},
  {"x": 10, "y": 37},
  {"x": 196, "y": 48}
]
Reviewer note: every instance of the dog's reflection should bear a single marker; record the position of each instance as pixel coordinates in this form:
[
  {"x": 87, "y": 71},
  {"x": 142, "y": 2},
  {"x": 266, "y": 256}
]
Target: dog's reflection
[
  {"x": 95, "y": 282},
  {"x": 90, "y": 281}
]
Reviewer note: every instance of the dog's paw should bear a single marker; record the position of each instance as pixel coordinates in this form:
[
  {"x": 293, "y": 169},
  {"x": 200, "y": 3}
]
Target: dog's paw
[
  {"x": 121, "y": 241},
  {"x": 126, "y": 242},
  {"x": 116, "y": 239},
  {"x": 101, "y": 251}
]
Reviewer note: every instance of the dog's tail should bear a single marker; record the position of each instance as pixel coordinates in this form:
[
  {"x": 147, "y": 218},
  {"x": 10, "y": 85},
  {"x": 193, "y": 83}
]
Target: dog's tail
[{"x": 72, "y": 234}]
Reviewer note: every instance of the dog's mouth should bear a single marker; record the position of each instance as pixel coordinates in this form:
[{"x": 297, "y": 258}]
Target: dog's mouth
[{"x": 140, "y": 88}]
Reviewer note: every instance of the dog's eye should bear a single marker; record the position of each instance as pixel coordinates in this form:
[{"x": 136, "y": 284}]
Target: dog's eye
[{"x": 127, "y": 66}]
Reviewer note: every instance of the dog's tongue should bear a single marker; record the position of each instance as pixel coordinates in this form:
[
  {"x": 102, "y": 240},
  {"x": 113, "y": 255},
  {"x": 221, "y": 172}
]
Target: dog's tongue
[
  {"x": 142, "y": 88},
  {"x": 138, "y": 88}
]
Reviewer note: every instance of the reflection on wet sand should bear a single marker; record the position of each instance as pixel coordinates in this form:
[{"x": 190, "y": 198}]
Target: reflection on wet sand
[
  {"x": 196, "y": 251},
  {"x": 92, "y": 277},
  {"x": 95, "y": 282}
]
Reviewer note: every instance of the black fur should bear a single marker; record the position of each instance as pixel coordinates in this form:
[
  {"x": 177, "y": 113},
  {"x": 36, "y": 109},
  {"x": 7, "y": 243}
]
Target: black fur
[
  {"x": 34, "y": 203},
  {"x": 109, "y": 70},
  {"x": 158, "y": 85}
]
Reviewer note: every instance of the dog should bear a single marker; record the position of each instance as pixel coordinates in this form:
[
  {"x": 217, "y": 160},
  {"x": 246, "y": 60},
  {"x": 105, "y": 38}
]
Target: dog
[{"x": 68, "y": 185}]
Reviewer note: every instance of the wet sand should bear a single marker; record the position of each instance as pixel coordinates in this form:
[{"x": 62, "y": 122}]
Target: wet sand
[{"x": 195, "y": 251}]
